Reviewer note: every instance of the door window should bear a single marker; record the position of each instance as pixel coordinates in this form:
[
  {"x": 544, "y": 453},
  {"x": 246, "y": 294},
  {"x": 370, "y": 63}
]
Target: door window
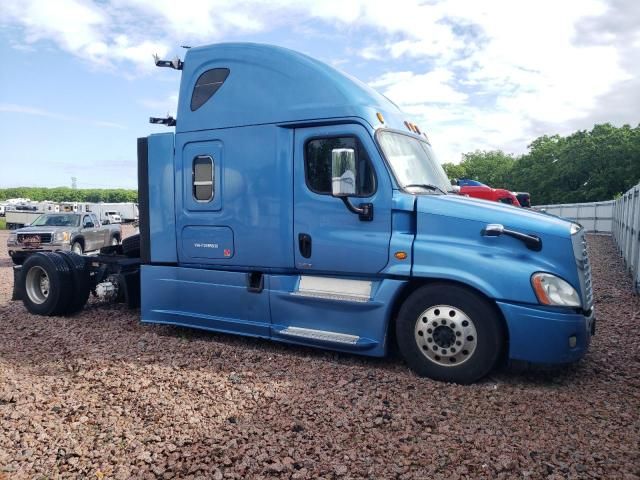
[
  {"x": 203, "y": 178},
  {"x": 317, "y": 165}
]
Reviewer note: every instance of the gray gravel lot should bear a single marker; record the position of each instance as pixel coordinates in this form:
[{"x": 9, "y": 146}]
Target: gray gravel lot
[{"x": 100, "y": 396}]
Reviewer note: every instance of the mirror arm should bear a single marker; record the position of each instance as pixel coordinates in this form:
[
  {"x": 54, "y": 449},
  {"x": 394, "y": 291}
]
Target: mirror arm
[{"x": 364, "y": 210}]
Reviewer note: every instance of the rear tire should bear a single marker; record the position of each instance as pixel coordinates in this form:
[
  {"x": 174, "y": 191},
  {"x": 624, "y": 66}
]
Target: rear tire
[
  {"x": 80, "y": 281},
  {"x": 131, "y": 246},
  {"x": 449, "y": 333},
  {"x": 46, "y": 284}
]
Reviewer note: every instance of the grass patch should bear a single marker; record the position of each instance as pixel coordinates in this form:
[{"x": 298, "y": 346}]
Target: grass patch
[{"x": 3, "y": 224}]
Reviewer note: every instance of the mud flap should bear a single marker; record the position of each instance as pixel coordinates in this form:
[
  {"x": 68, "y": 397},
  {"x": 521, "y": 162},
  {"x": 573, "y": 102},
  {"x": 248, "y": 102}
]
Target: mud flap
[
  {"x": 131, "y": 283},
  {"x": 18, "y": 291}
]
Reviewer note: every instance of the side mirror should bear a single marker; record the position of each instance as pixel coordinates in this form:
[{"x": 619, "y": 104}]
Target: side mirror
[
  {"x": 343, "y": 172},
  {"x": 343, "y": 181}
]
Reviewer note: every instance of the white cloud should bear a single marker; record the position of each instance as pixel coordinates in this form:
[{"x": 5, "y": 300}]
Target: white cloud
[
  {"x": 39, "y": 112},
  {"x": 488, "y": 74},
  {"x": 168, "y": 105},
  {"x": 408, "y": 88}
]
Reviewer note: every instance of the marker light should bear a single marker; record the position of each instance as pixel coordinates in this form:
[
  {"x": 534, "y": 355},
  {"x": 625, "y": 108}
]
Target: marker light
[
  {"x": 380, "y": 117},
  {"x": 400, "y": 255},
  {"x": 552, "y": 290}
]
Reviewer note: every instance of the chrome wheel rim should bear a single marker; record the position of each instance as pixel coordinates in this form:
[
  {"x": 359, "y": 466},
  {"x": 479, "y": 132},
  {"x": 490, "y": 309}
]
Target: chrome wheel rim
[
  {"x": 114, "y": 241},
  {"x": 446, "y": 335},
  {"x": 77, "y": 248},
  {"x": 37, "y": 285}
]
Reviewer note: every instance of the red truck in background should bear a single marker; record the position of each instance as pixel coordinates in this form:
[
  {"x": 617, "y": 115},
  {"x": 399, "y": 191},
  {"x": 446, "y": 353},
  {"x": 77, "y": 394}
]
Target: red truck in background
[{"x": 475, "y": 189}]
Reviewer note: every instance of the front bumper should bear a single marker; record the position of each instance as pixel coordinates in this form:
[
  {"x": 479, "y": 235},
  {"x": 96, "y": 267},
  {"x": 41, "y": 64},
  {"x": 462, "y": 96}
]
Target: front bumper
[
  {"x": 17, "y": 251},
  {"x": 546, "y": 336}
]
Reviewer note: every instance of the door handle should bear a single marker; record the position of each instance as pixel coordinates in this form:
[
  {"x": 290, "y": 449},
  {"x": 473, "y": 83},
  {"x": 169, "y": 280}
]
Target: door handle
[{"x": 304, "y": 243}]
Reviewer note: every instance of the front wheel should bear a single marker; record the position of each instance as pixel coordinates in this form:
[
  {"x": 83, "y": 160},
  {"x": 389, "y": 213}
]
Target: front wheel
[
  {"x": 77, "y": 248},
  {"x": 449, "y": 333}
]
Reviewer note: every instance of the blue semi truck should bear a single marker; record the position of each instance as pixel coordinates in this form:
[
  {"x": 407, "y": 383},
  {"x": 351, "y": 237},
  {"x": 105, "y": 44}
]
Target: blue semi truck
[{"x": 295, "y": 203}]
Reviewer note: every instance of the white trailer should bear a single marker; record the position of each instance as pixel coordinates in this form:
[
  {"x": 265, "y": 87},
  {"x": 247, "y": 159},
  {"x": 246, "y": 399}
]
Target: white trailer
[
  {"x": 128, "y": 211},
  {"x": 20, "y": 218}
]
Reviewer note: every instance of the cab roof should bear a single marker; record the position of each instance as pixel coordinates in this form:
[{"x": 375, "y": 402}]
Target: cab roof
[{"x": 269, "y": 84}]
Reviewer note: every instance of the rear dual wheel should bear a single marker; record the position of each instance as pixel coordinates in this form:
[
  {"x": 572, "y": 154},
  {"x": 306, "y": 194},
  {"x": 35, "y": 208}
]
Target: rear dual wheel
[
  {"x": 54, "y": 283},
  {"x": 449, "y": 333}
]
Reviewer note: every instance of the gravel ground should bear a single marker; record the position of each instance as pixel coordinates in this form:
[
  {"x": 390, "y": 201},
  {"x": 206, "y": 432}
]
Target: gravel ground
[{"x": 98, "y": 395}]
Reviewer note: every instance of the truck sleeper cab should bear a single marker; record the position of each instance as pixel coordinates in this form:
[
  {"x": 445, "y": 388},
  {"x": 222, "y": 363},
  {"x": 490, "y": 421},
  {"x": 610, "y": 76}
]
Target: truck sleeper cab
[{"x": 295, "y": 203}]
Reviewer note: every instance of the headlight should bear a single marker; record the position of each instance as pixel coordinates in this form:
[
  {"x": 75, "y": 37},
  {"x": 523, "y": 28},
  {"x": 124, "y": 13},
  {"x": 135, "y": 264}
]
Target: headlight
[
  {"x": 552, "y": 290},
  {"x": 62, "y": 237},
  {"x": 575, "y": 228},
  {"x": 13, "y": 237}
]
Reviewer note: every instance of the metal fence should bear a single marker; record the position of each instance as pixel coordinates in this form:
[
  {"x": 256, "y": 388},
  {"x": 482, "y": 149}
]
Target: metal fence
[
  {"x": 619, "y": 217},
  {"x": 626, "y": 231},
  {"x": 593, "y": 216}
]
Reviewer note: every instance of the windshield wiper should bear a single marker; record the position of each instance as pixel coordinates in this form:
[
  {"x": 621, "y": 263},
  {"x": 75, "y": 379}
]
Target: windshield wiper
[{"x": 426, "y": 186}]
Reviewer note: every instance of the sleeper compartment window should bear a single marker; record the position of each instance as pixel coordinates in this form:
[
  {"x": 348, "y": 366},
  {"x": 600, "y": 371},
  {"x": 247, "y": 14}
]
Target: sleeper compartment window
[
  {"x": 203, "y": 178},
  {"x": 207, "y": 84}
]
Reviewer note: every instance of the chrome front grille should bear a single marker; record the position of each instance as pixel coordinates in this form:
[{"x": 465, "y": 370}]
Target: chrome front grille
[
  {"x": 584, "y": 268},
  {"x": 588, "y": 288},
  {"x": 34, "y": 238}
]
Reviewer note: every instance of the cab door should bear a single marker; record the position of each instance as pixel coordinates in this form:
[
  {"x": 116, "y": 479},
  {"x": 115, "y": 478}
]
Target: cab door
[
  {"x": 328, "y": 237},
  {"x": 89, "y": 233}
]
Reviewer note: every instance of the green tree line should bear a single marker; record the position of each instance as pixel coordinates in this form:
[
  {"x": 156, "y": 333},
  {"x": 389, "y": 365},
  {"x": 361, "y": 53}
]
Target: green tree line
[
  {"x": 585, "y": 166},
  {"x": 66, "y": 194}
]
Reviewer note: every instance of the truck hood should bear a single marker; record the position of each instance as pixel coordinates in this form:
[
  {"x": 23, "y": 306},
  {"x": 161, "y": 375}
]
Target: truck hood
[
  {"x": 449, "y": 244},
  {"x": 484, "y": 211},
  {"x": 43, "y": 229}
]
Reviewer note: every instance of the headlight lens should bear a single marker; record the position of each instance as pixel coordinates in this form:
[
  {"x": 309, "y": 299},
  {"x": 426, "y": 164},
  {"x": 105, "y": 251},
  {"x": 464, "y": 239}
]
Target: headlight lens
[
  {"x": 552, "y": 290},
  {"x": 12, "y": 237},
  {"x": 575, "y": 228},
  {"x": 62, "y": 236}
]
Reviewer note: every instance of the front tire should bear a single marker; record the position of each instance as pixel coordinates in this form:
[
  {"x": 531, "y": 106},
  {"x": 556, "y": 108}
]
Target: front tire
[
  {"x": 449, "y": 333},
  {"x": 77, "y": 248}
]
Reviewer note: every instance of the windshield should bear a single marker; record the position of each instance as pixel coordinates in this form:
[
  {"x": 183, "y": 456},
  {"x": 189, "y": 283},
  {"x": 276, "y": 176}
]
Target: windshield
[
  {"x": 413, "y": 162},
  {"x": 70, "y": 220}
]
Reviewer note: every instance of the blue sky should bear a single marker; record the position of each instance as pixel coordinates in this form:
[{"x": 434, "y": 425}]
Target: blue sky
[{"x": 77, "y": 82}]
